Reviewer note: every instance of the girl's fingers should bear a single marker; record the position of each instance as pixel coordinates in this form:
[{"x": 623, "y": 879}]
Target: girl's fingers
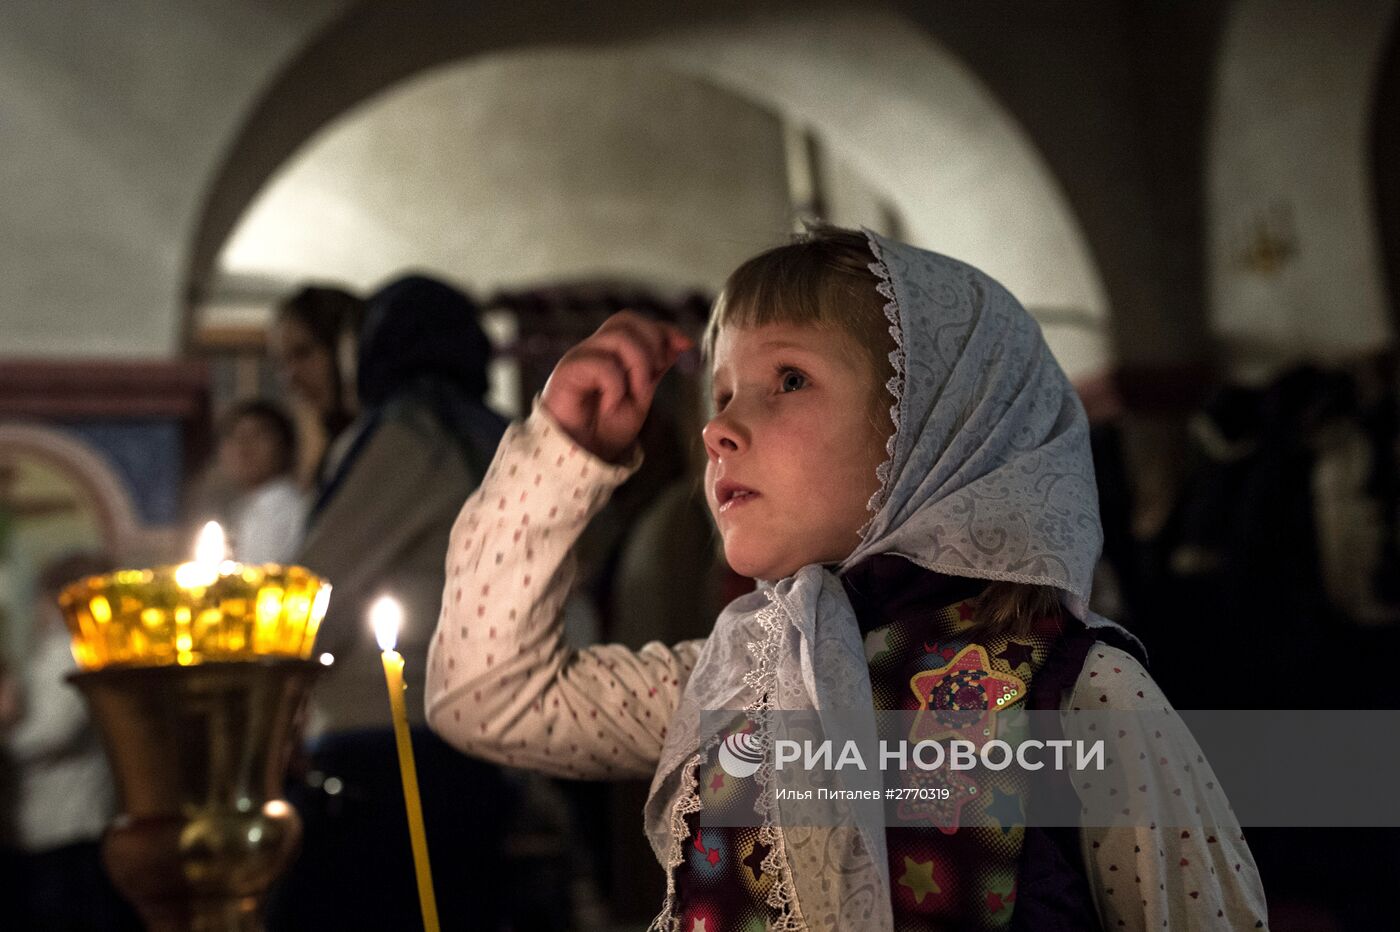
[
  {"x": 602, "y": 388},
  {"x": 648, "y": 334},
  {"x": 588, "y": 381},
  {"x": 664, "y": 341},
  {"x": 676, "y": 343},
  {"x": 632, "y": 355}
]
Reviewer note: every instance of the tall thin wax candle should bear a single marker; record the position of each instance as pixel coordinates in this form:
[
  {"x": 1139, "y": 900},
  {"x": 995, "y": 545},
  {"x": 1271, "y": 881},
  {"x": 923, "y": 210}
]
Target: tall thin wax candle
[{"x": 386, "y": 616}]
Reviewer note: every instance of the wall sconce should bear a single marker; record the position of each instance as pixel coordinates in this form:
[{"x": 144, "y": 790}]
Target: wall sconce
[{"x": 1268, "y": 242}]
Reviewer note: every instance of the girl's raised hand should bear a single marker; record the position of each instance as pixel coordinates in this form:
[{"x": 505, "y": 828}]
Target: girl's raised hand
[{"x": 601, "y": 390}]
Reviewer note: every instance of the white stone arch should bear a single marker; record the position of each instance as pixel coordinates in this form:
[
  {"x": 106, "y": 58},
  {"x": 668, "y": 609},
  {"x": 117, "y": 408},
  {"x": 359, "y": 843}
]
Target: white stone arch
[
  {"x": 919, "y": 125},
  {"x": 923, "y": 127},
  {"x": 1294, "y": 253}
]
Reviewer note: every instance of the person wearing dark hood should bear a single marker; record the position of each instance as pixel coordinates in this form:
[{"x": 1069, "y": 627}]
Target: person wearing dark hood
[{"x": 379, "y": 523}]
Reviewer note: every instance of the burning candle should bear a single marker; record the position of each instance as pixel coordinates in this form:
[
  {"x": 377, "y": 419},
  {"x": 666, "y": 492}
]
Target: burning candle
[
  {"x": 195, "y": 673},
  {"x": 386, "y": 616},
  {"x": 210, "y": 551}
]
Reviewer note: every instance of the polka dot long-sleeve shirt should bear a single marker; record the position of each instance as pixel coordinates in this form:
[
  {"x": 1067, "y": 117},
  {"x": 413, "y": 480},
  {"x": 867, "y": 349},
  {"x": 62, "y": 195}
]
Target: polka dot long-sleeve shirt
[
  {"x": 503, "y": 685},
  {"x": 1190, "y": 868}
]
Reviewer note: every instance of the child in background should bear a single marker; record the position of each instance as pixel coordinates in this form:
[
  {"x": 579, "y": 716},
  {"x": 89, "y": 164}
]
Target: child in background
[
  {"x": 257, "y": 453},
  {"x": 898, "y": 459}
]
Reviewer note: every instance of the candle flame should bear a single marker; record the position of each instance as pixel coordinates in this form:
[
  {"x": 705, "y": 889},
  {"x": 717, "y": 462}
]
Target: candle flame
[
  {"x": 386, "y": 616},
  {"x": 210, "y": 547},
  {"x": 209, "y": 552}
]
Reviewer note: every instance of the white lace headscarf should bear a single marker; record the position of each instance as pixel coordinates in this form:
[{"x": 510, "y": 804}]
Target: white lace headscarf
[{"x": 989, "y": 475}]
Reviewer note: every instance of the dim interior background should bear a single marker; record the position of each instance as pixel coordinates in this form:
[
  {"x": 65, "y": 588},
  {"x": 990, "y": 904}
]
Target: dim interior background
[{"x": 1199, "y": 201}]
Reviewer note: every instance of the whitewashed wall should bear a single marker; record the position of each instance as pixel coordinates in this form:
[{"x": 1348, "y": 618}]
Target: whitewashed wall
[
  {"x": 125, "y": 110},
  {"x": 1290, "y": 157},
  {"x": 523, "y": 168}
]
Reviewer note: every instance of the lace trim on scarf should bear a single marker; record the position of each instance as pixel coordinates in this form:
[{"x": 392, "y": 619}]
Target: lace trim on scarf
[
  {"x": 762, "y": 679},
  {"x": 895, "y": 386},
  {"x": 687, "y": 801}
]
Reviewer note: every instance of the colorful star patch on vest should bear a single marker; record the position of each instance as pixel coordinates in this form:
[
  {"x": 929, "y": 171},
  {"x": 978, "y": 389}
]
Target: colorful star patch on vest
[{"x": 967, "y": 684}]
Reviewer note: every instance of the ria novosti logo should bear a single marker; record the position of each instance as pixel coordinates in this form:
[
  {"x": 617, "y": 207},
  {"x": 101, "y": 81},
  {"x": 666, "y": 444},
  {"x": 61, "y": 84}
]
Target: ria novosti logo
[{"x": 741, "y": 754}]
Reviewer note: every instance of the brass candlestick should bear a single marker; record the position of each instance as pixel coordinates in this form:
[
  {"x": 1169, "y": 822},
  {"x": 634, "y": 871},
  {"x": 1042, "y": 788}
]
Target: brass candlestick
[{"x": 197, "y": 676}]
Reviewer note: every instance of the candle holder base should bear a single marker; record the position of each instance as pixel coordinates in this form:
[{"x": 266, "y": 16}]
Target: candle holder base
[{"x": 199, "y": 754}]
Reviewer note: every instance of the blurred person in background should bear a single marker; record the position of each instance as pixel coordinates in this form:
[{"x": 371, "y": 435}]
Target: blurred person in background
[
  {"x": 379, "y": 525},
  {"x": 313, "y": 341},
  {"x": 64, "y": 791},
  {"x": 257, "y": 454},
  {"x": 380, "y": 519}
]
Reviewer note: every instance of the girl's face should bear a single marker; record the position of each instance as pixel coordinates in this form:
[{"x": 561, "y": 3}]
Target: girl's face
[
  {"x": 305, "y": 365},
  {"x": 251, "y": 453},
  {"x": 793, "y": 448}
]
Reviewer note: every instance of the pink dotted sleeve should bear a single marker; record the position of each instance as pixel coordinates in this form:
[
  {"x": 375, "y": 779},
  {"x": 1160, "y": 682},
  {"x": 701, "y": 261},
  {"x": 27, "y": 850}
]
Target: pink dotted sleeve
[
  {"x": 1197, "y": 876},
  {"x": 502, "y": 684}
]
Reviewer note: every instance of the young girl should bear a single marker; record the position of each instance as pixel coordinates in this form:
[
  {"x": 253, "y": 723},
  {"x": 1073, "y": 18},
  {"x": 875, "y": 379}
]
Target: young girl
[
  {"x": 257, "y": 453},
  {"x": 897, "y": 458},
  {"x": 313, "y": 341}
]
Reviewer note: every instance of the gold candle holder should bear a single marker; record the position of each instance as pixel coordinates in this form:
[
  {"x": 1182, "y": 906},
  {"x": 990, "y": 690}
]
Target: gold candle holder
[
  {"x": 189, "y": 614},
  {"x": 197, "y": 675}
]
